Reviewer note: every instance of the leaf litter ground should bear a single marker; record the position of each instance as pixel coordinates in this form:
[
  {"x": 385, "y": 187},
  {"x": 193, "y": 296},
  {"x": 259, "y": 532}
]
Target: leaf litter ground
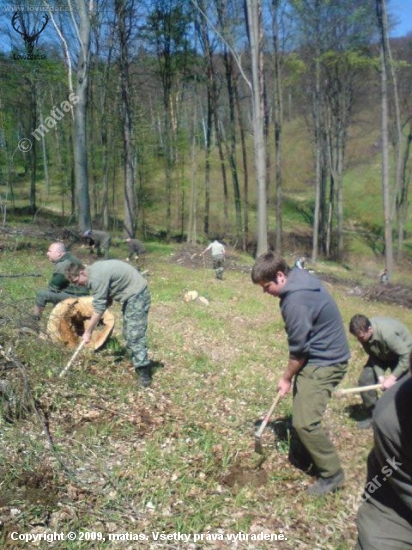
[{"x": 93, "y": 452}]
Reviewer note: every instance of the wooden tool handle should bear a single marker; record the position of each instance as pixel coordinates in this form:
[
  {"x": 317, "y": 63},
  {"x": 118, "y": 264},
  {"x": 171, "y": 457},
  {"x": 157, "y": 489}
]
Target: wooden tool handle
[
  {"x": 358, "y": 389},
  {"x": 75, "y": 354},
  {"x": 268, "y": 415}
]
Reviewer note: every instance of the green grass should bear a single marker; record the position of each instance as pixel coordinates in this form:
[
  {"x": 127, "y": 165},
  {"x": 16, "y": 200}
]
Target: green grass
[{"x": 92, "y": 452}]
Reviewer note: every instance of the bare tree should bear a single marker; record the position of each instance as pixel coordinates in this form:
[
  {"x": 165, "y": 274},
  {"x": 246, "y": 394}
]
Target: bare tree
[
  {"x": 333, "y": 43},
  {"x": 278, "y": 122},
  {"x": 167, "y": 29},
  {"x": 383, "y": 29},
  {"x": 75, "y": 30},
  {"x": 125, "y": 15},
  {"x": 83, "y": 31},
  {"x": 254, "y": 26}
]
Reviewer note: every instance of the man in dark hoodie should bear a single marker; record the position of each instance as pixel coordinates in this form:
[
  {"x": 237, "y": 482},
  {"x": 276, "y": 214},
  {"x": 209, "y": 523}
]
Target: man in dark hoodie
[{"x": 318, "y": 357}]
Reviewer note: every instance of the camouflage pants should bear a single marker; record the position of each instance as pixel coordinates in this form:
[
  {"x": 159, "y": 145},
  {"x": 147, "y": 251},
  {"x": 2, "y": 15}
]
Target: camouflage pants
[
  {"x": 218, "y": 262},
  {"x": 135, "y": 314}
]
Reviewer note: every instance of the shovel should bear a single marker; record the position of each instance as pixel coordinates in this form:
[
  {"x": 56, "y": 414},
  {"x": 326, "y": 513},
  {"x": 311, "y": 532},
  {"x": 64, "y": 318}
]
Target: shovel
[
  {"x": 75, "y": 354},
  {"x": 258, "y": 434}
]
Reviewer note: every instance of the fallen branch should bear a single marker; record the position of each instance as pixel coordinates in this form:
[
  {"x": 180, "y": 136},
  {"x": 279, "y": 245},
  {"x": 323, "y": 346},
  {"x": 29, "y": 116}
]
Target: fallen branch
[{"x": 21, "y": 275}]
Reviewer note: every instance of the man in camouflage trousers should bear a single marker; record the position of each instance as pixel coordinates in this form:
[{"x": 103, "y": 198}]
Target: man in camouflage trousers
[{"x": 116, "y": 280}]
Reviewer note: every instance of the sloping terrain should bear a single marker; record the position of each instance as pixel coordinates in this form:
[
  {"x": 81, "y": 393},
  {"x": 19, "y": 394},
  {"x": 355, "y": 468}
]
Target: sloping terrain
[{"x": 91, "y": 453}]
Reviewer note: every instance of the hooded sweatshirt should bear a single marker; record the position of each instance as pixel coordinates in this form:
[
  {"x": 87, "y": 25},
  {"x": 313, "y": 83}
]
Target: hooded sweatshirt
[{"x": 312, "y": 320}]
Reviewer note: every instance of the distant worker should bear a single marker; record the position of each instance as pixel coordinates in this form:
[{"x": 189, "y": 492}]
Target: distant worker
[
  {"x": 388, "y": 343},
  {"x": 384, "y": 276},
  {"x": 116, "y": 280},
  {"x": 135, "y": 249},
  {"x": 59, "y": 286},
  {"x": 99, "y": 241},
  {"x": 218, "y": 257},
  {"x": 301, "y": 262}
]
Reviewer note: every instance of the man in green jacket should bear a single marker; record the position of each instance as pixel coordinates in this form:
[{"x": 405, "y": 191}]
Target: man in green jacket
[
  {"x": 388, "y": 343},
  {"x": 59, "y": 287},
  {"x": 116, "y": 280}
]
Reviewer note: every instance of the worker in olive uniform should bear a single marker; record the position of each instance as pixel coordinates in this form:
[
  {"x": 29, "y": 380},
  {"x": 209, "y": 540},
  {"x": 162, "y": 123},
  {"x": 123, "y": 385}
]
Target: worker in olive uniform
[
  {"x": 116, "y": 280},
  {"x": 134, "y": 248},
  {"x": 388, "y": 343},
  {"x": 59, "y": 287},
  {"x": 384, "y": 517},
  {"x": 99, "y": 241}
]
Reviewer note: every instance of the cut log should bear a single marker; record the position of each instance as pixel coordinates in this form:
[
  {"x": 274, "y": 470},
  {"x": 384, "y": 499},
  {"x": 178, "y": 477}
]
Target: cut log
[{"x": 70, "y": 318}]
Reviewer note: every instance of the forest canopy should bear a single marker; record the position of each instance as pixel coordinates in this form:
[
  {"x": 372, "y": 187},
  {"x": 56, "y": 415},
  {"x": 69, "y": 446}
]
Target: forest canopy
[{"x": 198, "y": 118}]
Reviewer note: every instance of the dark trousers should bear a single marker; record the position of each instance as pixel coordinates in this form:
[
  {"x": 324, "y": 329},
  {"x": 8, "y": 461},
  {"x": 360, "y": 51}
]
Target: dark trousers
[{"x": 381, "y": 528}]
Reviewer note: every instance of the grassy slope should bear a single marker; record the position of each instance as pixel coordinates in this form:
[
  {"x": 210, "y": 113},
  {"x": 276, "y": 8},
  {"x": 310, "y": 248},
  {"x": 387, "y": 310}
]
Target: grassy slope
[{"x": 177, "y": 457}]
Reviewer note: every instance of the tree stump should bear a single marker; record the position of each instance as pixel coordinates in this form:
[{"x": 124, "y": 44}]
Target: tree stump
[{"x": 70, "y": 318}]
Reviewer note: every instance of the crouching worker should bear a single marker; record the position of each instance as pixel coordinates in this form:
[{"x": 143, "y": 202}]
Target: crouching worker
[
  {"x": 99, "y": 241},
  {"x": 388, "y": 343},
  {"x": 59, "y": 287},
  {"x": 135, "y": 249},
  {"x": 114, "y": 280}
]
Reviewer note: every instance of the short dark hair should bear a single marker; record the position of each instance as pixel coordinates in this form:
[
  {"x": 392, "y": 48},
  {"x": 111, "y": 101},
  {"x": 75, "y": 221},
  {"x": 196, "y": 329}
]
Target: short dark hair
[
  {"x": 72, "y": 271},
  {"x": 267, "y": 266},
  {"x": 359, "y": 323}
]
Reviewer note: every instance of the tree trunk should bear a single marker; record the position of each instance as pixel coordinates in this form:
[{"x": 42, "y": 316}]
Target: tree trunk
[
  {"x": 380, "y": 7},
  {"x": 210, "y": 103},
  {"x": 255, "y": 34},
  {"x": 33, "y": 150},
  {"x": 129, "y": 221},
  {"x": 278, "y": 119},
  {"x": 80, "y": 110},
  {"x": 402, "y": 202},
  {"x": 242, "y": 132},
  {"x": 231, "y": 146}
]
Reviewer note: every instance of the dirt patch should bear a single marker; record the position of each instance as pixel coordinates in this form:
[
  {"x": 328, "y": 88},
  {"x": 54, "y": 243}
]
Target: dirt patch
[
  {"x": 37, "y": 487},
  {"x": 240, "y": 476}
]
